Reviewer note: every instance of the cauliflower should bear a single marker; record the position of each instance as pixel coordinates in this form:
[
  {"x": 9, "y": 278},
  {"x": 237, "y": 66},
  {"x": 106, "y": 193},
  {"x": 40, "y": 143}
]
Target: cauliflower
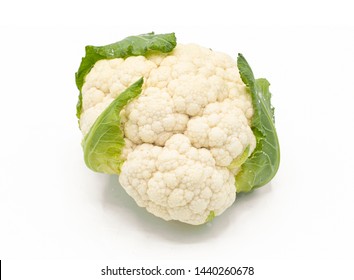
[{"x": 184, "y": 126}]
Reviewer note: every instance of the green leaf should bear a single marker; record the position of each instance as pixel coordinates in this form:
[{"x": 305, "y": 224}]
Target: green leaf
[
  {"x": 210, "y": 217},
  {"x": 263, "y": 163},
  {"x": 237, "y": 162},
  {"x": 130, "y": 46},
  {"x": 104, "y": 143}
]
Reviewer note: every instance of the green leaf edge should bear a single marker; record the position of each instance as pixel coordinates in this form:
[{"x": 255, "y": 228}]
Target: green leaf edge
[
  {"x": 238, "y": 161},
  {"x": 259, "y": 91},
  {"x": 210, "y": 217}
]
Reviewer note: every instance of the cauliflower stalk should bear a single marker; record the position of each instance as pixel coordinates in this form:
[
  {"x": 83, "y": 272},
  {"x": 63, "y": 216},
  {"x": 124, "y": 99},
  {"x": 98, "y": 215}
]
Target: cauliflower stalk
[{"x": 185, "y": 127}]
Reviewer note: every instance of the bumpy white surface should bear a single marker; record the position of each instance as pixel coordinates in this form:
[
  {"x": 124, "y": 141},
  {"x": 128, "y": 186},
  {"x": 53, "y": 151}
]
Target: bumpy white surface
[
  {"x": 178, "y": 181},
  {"x": 191, "y": 120}
]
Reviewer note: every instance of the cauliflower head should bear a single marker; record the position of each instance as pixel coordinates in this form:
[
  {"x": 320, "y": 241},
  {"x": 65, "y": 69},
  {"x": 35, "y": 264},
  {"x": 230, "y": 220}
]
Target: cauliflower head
[{"x": 175, "y": 122}]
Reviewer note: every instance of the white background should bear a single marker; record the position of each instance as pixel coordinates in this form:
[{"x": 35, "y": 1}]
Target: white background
[{"x": 53, "y": 207}]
